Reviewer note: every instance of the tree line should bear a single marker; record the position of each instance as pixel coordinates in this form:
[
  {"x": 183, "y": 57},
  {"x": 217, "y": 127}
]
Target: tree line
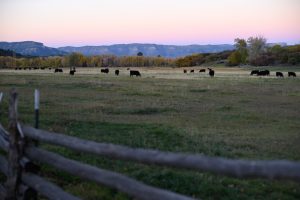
[
  {"x": 256, "y": 51},
  {"x": 253, "y": 51},
  {"x": 79, "y": 60}
]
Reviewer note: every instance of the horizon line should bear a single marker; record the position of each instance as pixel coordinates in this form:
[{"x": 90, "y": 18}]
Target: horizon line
[{"x": 146, "y": 43}]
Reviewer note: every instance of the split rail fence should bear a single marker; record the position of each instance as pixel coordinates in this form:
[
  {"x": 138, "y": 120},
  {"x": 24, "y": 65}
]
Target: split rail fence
[{"x": 20, "y": 165}]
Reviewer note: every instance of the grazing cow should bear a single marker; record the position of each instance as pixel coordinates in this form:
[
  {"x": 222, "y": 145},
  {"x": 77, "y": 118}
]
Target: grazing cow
[
  {"x": 279, "y": 74},
  {"x": 267, "y": 72},
  {"x": 35, "y": 68},
  {"x": 293, "y": 74},
  {"x": 16, "y": 68},
  {"x": 105, "y": 70},
  {"x": 202, "y": 70},
  {"x": 72, "y": 72},
  {"x": 117, "y": 72},
  {"x": 29, "y": 68},
  {"x": 184, "y": 71},
  {"x": 49, "y": 68},
  {"x": 211, "y": 72},
  {"x": 192, "y": 71},
  {"x": 42, "y": 68},
  {"x": 254, "y": 72},
  {"x": 135, "y": 73},
  {"x": 58, "y": 70},
  {"x": 263, "y": 73},
  {"x": 128, "y": 68}
]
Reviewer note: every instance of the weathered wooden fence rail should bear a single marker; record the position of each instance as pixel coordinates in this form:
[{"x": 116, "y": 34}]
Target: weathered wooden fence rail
[
  {"x": 20, "y": 167},
  {"x": 277, "y": 169}
]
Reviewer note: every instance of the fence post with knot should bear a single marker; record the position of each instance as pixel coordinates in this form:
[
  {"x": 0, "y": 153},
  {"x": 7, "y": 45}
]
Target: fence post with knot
[{"x": 15, "y": 149}]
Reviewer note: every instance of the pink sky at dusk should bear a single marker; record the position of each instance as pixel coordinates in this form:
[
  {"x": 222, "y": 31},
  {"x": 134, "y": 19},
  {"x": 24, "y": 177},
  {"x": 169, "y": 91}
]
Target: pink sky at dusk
[{"x": 180, "y": 22}]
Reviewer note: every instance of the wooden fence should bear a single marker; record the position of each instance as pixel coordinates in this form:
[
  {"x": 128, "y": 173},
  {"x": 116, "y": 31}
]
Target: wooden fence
[{"x": 23, "y": 156}]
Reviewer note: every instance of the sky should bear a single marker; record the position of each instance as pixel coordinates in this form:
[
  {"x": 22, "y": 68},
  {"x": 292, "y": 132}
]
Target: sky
[{"x": 180, "y": 22}]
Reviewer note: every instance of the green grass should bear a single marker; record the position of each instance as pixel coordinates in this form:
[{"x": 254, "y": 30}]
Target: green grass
[{"x": 249, "y": 118}]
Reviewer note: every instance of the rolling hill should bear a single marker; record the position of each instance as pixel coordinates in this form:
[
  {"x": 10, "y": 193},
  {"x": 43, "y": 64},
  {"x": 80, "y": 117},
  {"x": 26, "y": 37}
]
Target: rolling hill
[
  {"x": 147, "y": 49},
  {"x": 31, "y": 48}
]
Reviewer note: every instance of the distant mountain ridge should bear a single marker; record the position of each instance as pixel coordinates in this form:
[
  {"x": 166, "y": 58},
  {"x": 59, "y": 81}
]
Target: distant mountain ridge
[
  {"x": 31, "y": 48},
  {"x": 147, "y": 49}
]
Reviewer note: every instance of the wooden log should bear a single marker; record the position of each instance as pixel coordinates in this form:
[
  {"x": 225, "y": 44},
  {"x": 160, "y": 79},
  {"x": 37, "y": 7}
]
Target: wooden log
[
  {"x": 14, "y": 153},
  {"x": 3, "y": 165},
  {"x": 25, "y": 163},
  {"x": 4, "y": 133},
  {"x": 29, "y": 166},
  {"x": 3, "y": 170},
  {"x": 26, "y": 193},
  {"x": 2, "y": 191},
  {"x": 4, "y": 137},
  {"x": 4, "y": 145},
  {"x": 111, "y": 179},
  {"x": 46, "y": 188},
  {"x": 276, "y": 169}
]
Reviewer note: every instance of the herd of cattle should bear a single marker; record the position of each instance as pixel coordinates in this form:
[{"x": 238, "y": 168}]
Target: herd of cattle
[
  {"x": 267, "y": 73},
  {"x": 72, "y": 71},
  {"x": 253, "y": 72},
  {"x": 211, "y": 72},
  {"x": 117, "y": 72}
]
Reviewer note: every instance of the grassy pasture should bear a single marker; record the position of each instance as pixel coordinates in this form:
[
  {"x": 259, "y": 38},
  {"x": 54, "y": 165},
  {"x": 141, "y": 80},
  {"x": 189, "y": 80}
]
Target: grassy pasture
[{"x": 232, "y": 115}]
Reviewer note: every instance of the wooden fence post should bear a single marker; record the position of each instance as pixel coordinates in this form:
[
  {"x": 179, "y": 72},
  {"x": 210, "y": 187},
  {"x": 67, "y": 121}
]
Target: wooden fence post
[
  {"x": 36, "y": 107},
  {"x": 14, "y": 153}
]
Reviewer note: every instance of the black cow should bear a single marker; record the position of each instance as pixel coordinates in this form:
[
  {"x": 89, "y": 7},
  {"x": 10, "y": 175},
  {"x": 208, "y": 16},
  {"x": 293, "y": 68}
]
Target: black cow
[
  {"x": 135, "y": 73},
  {"x": 293, "y": 74},
  {"x": 279, "y": 74},
  {"x": 49, "y": 68},
  {"x": 263, "y": 73},
  {"x": 254, "y": 72},
  {"x": 72, "y": 72},
  {"x": 192, "y": 71},
  {"x": 184, "y": 71},
  {"x": 211, "y": 72},
  {"x": 117, "y": 72},
  {"x": 267, "y": 72},
  {"x": 105, "y": 70},
  {"x": 202, "y": 70},
  {"x": 58, "y": 70},
  {"x": 128, "y": 68}
]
